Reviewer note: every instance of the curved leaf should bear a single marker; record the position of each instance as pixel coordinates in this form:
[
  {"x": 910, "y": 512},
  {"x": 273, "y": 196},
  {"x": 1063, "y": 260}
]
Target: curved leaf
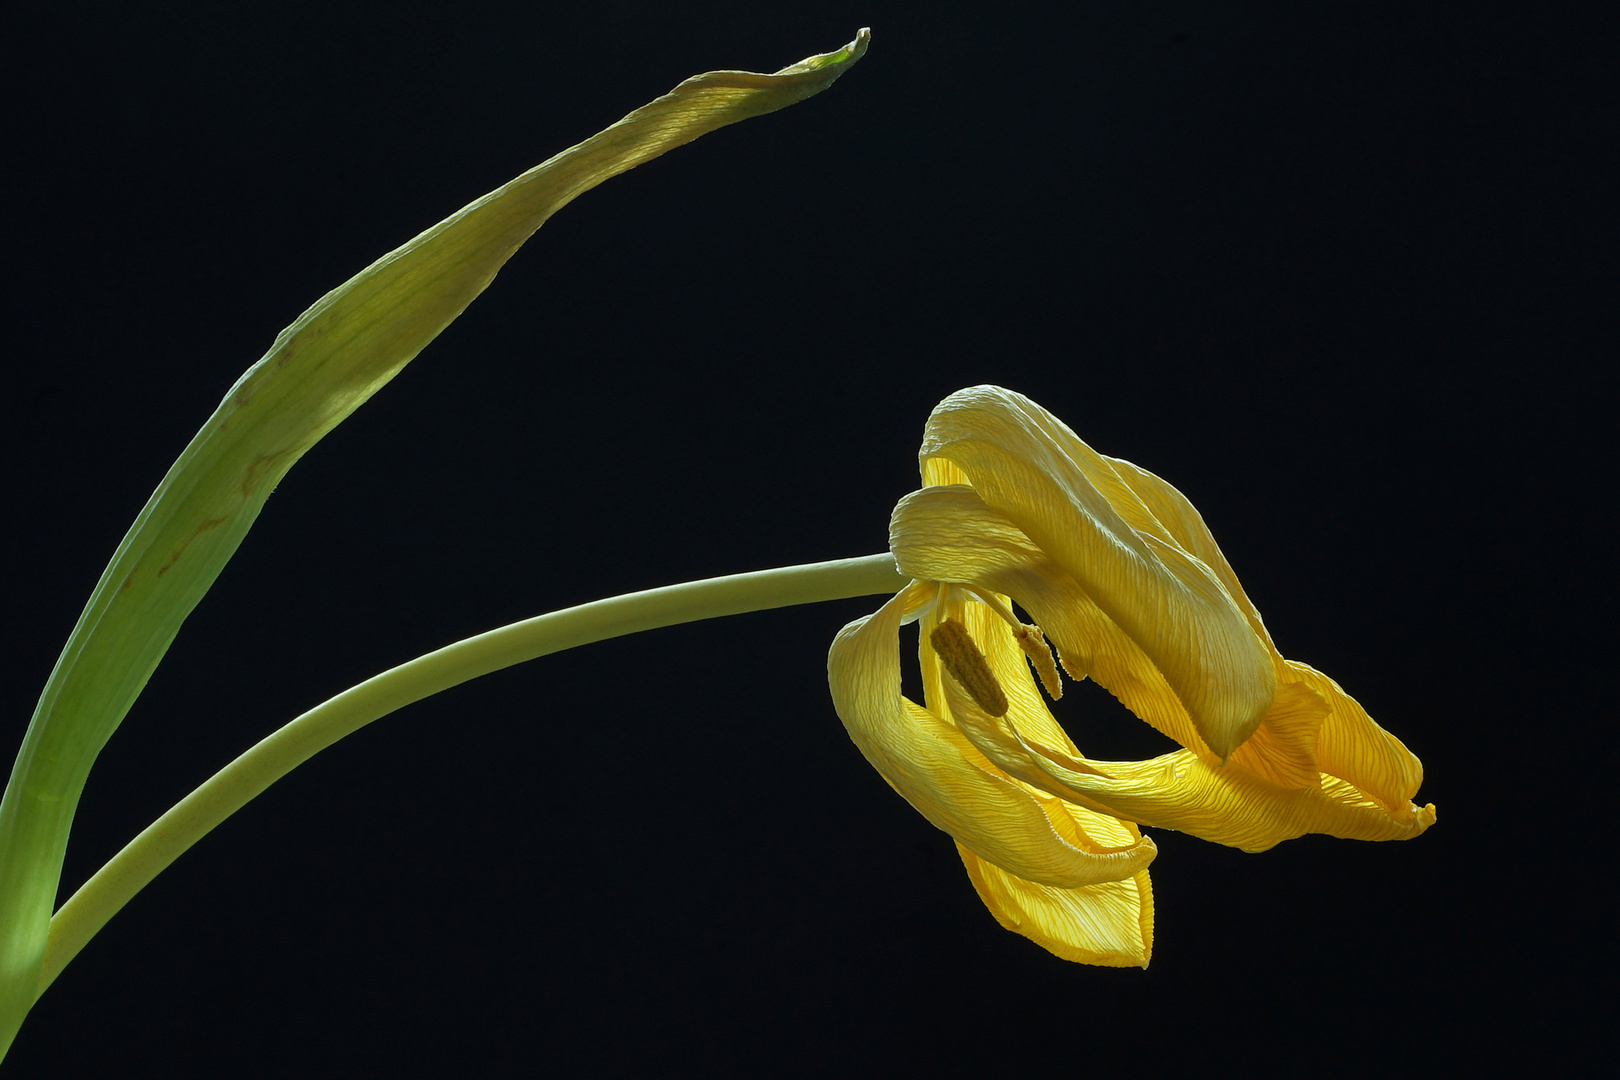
[{"x": 321, "y": 368}]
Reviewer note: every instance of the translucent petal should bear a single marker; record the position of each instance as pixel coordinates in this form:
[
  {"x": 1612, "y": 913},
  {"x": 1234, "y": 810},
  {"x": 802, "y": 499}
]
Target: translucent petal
[
  {"x": 933, "y": 767},
  {"x": 1071, "y": 503},
  {"x": 1271, "y": 789},
  {"x": 1283, "y": 749},
  {"x": 1349, "y": 745},
  {"x": 949, "y": 534},
  {"x": 1026, "y": 708},
  {"x": 1222, "y": 804},
  {"x": 1185, "y": 525},
  {"x": 1235, "y": 807},
  {"x": 1355, "y": 749},
  {"x": 1109, "y": 924}
]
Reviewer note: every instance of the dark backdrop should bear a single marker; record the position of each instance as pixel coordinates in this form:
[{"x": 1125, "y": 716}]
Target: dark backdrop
[{"x": 1337, "y": 272}]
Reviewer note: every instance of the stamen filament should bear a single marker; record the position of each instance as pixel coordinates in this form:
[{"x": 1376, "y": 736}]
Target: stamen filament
[
  {"x": 1029, "y": 638},
  {"x": 995, "y": 604}
]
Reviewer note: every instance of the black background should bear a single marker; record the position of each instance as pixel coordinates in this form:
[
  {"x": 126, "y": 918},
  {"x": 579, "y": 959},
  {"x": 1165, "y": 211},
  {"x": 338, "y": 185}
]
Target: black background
[{"x": 1338, "y": 271}]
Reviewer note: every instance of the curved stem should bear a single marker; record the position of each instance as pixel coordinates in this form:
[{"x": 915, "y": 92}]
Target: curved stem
[{"x": 228, "y": 790}]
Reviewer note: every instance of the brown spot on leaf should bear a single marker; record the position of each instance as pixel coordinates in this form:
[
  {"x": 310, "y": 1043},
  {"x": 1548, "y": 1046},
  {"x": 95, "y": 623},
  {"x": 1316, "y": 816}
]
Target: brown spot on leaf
[{"x": 202, "y": 527}]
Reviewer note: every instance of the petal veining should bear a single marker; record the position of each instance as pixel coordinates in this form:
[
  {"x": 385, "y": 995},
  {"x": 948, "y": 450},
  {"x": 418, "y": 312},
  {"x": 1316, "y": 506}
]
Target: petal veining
[
  {"x": 1355, "y": 749},
  {"x": 1110, "y": 924},
  {"x": 949, "y": 534},
  {"x": 1069, "y": 500},
  {"x": 933, "y": 767},
  {"x": 1121, "y": 577}
]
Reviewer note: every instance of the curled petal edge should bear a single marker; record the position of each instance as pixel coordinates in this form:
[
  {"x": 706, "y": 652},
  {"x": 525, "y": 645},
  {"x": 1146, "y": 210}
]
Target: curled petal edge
[
  {"x": 1224, "y": 805},
  {"x": 1110, "y": 925},
  {"x": 936, "y": 769},
  {"x": 1032, "y": 469}
]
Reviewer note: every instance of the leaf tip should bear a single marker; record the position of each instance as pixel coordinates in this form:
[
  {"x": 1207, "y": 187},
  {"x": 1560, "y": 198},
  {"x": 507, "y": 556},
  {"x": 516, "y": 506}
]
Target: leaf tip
[{"x": 844, "y": 56}]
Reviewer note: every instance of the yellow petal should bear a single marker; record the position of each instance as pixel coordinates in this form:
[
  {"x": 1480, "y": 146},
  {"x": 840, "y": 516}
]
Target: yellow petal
[
  {"x": 1283, "y": 749},
  {"x": 949, "y": 534},
  {"x": 1349, "y": 745},
  {"x": 1233, "y": 807},
  {"x": 1352, "y": 747},
  {"x": 1255, "y": 801},
  {"x": 1068, "y": 500},
  {"x": 1006, "y": 659},
  {"x": 1173, "y": 513},
  {"x": 1109, "y": 924},
  {"x": 933, "y": 767},
  {"x": 1222, "y": 804}
]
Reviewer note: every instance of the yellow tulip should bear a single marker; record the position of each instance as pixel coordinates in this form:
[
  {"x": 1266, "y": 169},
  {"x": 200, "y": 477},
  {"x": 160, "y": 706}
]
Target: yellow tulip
[{"x": 1120, "y": 573}]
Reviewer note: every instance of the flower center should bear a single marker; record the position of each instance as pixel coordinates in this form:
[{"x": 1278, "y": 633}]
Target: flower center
[
  {"x": 1030, "y": 639},
  {"x": 966, "y": 663}
]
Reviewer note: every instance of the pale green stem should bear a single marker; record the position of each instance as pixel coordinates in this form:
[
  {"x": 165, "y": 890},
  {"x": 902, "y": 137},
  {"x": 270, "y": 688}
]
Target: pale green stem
[{"x": 228, "y": 790}]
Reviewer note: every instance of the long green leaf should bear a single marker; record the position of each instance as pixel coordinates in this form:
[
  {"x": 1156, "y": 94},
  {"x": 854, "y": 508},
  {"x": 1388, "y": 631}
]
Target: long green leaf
[{"x": 322, "y": 367}]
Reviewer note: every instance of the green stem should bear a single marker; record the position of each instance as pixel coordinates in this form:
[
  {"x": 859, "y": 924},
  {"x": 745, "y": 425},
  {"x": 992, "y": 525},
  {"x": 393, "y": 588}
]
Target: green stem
[{"x": 228, "y": 790}]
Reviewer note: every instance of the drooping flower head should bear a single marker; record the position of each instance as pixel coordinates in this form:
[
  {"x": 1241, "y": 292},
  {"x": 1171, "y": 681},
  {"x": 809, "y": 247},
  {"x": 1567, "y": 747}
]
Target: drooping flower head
[{"x": 1119, "y": 573}]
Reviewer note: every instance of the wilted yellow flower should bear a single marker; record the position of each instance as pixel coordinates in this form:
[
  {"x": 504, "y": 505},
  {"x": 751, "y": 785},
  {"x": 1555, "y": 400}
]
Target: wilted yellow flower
[{"x": 1119, "y": 571}]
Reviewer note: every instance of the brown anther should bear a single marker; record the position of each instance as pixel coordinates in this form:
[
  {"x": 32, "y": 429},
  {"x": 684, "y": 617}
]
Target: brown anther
[
  {"x": 1033, "y": 642},
  {"x": 967, "y": 665}
]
